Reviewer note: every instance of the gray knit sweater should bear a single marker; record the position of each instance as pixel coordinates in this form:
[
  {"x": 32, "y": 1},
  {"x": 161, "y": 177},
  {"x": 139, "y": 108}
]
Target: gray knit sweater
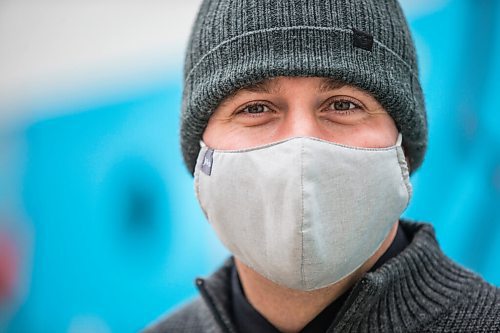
[{"x": 419, "y": 290}]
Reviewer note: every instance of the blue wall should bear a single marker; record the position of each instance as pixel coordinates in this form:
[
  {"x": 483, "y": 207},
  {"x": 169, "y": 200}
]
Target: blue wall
[
  {"x": 458, "y": 189},
  {"x": 118, "y": 234}
]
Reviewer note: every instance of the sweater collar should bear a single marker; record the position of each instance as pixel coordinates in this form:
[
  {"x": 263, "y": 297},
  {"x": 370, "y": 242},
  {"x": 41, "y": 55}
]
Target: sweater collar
[{"x": 408, "y": 291}]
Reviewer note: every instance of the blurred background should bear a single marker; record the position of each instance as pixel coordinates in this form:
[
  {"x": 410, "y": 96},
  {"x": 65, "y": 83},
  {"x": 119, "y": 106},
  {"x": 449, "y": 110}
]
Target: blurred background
[{"x": 100, "y": 230}]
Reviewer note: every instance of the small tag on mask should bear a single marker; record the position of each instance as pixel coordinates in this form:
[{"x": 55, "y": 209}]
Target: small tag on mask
[{"x": 208, "y": 159}]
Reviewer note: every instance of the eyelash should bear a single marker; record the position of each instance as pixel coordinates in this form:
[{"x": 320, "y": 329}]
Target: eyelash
[
  {"x": 329, "y": 103},
  {"x": 357, "y": 106},
  {"x": 249, "y": 114}
]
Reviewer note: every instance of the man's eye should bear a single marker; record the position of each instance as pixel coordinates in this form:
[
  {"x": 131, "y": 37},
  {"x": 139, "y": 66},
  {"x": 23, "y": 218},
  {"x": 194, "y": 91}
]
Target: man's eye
[
  {"x": 255, "y": 108},
  {"x": 343, "y": 106}
]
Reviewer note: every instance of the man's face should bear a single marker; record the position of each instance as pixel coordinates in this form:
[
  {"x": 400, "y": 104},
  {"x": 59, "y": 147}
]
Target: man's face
[{"x": 285, "y": 107}]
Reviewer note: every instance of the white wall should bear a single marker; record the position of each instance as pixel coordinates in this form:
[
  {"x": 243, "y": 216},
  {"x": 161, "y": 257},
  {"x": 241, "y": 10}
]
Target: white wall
[{"x": 54, "y": 48}]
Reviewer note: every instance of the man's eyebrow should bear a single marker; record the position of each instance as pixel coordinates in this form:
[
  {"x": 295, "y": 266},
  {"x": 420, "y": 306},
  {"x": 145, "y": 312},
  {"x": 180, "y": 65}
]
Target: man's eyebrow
[
  {"x": 331, "y": 84},
  {"x": 269, "y": 86}
]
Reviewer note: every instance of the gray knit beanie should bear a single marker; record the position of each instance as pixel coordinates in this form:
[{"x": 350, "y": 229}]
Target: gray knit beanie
[{"x": 366, "y": 43}]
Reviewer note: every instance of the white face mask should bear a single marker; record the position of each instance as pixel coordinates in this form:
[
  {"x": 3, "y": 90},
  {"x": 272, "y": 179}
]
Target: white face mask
[{"x": 303, "y": 212}]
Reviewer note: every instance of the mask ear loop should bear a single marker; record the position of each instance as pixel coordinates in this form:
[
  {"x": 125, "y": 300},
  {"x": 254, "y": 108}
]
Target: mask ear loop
[{"x": 399, "y": 140}]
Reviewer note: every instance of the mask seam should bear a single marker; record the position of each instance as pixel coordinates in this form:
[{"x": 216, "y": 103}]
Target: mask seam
[{"x": 302, "y": 271}]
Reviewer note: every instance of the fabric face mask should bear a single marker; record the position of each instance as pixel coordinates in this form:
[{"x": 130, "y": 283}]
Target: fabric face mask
[{"x": 303, "y": 212}]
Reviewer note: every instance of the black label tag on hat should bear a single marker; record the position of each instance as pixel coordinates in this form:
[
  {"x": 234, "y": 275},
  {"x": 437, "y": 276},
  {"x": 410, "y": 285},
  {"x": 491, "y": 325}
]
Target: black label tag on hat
[
  {"x": 208, "y": 159},
  {"x": 362, "y": 40}
]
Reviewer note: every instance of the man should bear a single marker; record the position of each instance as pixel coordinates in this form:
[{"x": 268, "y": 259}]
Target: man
[{"x": 301, "y": 123}]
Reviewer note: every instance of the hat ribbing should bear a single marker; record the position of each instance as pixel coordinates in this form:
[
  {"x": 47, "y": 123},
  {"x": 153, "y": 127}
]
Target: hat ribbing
[{"x": 366, "y": 43}]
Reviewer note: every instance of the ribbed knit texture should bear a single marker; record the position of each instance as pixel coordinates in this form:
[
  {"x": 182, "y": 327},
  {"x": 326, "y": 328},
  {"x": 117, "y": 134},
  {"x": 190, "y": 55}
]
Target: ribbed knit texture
[
  {"x": 239, "y": 42},
  {"x": 419, "y": 290}
]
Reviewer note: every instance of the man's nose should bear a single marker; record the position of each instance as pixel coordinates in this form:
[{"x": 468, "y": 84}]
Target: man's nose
[{"x": 301, "y": 121}]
